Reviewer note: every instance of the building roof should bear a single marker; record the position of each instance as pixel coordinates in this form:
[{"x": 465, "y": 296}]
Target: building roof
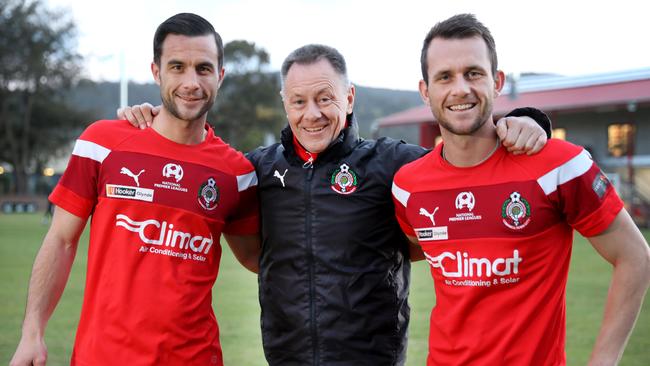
[{"x": 554, "y": 93}]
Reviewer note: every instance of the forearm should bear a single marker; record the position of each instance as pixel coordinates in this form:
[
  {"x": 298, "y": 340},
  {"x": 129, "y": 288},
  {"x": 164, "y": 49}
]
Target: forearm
[
  {"x": 49, "y": 276},
  {"x": 247, "y": 249},
  {"x": 624, "y": 300},
  {"x": 415, "y": 250}
]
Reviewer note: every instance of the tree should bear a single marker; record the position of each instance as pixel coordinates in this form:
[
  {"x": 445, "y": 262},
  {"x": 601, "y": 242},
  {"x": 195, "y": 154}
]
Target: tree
[
  {"x": 38, "y": 63},
  {"x": 249, "y": 104}
]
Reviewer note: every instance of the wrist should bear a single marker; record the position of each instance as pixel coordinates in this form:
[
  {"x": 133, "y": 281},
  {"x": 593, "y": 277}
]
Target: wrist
[
  {"x": 540, "y": 117},
  {"x": 32, "y": 331}
]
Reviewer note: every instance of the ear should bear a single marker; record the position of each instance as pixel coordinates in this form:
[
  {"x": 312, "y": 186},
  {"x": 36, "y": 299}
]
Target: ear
[
  {"x": 222, "y": 73},
  {"x": 499, "y": 82},
  {"x": 155, "y": 71},
  {"x": 424, "y": 92},
  {"x": 350, "y": 97}
]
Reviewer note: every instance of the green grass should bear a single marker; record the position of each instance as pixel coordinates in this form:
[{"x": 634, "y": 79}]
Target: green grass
[{"x": 237, "y": 308}]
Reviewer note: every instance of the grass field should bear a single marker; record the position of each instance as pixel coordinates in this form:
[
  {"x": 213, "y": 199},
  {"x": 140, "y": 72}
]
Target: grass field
[{"x": 236, "y": 306}]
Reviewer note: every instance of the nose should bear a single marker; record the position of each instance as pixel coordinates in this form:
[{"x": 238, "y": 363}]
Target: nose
[
  {"x": 460, "y": 87},
  {"x": 190, "y": 81},
  {"x": 312, "y": 112}
]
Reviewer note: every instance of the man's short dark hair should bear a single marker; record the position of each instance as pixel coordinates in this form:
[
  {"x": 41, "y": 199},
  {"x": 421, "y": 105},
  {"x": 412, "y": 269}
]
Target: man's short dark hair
[
  {"x": 185, "y": 24},
  {"x": 458, "y": 27},
  {"x": 312, "y": 53}
]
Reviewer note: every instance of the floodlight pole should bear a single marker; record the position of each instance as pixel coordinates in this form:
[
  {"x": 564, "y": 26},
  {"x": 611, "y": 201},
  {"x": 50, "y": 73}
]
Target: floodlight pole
[{"x": 124, "y": 82}]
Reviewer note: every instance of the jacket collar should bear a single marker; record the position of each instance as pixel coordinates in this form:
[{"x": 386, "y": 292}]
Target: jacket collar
[{"x": 341, "y": 146}]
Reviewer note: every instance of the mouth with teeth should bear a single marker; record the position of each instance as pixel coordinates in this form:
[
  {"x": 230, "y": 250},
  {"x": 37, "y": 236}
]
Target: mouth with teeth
[
  {"x": 189, "y": 98},
  {"x": 461, "y": 107},
  {"x": 314, "y": 129}
]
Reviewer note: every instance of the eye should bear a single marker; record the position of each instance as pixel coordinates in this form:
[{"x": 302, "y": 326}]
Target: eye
[
  {"x": 443, "y": 77},
  {"x": 175, "y": 67},
  {"x": 205, "y": 69},
  {"x": 474, "y": 75}
]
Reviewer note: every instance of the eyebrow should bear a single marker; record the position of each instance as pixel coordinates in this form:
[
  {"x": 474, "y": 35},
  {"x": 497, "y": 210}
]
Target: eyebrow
[
  {"x": 206, "y": 63},
  {"x": 179, "y": 62},
  {"x": 465, "y": 69},
  {"x": 327, "y": 89},
  {"x": 174, "y": 62}
]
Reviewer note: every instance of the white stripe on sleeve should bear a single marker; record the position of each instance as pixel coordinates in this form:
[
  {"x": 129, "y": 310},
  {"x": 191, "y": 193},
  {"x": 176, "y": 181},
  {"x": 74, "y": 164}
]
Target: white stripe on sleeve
[
  {"x": 91, "y": 150},
  {"x": 401, "y": 195},
  {"x": 573, "y": 168},
  {"x": 246, "y": 181}
]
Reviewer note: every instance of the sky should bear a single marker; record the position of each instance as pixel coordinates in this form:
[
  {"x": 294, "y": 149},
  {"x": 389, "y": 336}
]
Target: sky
[{"x": 381, "y": 40}]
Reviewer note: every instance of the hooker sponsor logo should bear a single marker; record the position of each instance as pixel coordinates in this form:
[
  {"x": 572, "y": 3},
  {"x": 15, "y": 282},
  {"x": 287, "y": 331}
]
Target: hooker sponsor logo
[
  {"x": 163, "y": 233},
  {"x": 432, "y": 233},
  {"x": 134, "y": 193}
]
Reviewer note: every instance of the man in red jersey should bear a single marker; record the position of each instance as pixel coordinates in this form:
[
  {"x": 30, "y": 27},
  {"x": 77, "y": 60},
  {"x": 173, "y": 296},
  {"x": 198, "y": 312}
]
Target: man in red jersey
[
  {"x": 160, "y": 199},
  {"x": 497, "y": 228}
]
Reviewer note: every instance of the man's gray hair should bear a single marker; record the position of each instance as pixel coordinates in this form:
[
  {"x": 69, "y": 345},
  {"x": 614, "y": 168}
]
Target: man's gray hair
[{"x": 312, "y": 53}]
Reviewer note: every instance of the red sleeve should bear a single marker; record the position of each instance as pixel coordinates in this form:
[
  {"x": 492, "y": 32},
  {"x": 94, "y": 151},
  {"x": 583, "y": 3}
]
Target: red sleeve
[
  {"x": 589, "y": 202},
  {"x": 245, "y": 218},
  {"x": 76, "y": 192},
  {"x": 400, "y": 198},
  {"x": 71, "y": 202}
]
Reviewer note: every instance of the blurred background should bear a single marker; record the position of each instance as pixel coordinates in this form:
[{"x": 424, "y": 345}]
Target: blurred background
[{"x": 67, "y": 63}]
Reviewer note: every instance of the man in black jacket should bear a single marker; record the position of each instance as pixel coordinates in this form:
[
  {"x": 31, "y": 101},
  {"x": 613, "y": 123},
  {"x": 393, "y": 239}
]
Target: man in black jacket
[{"x": 334, "y": 269}]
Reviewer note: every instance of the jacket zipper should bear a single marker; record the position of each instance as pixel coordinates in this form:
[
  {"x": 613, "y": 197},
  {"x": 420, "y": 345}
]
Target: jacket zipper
[{"x": 310, "y": 258}]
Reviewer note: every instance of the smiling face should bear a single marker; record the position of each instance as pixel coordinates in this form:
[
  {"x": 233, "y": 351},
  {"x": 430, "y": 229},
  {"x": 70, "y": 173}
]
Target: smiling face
[
  {"x": 188, "y": 75},
  {"x": 317, "y": 100},
  {"x": 461, "y": 88}
]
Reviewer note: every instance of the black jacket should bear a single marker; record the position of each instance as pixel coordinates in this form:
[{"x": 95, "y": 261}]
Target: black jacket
[{"x": 334, "y": 271}]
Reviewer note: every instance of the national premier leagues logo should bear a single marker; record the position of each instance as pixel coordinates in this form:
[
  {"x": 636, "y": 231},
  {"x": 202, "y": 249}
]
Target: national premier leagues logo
[
  {"x": 344, "y": 180},
  {"x": 515, "y": 212},
  {"x": 209, "y": 194}
]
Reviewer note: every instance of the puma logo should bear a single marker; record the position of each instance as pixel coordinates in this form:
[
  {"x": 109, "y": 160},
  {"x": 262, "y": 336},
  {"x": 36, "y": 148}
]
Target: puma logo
[
  {"x": 276, "y": 174},
  {"x": 426, "y": 213},
  {"x": 130, "y": 174}
]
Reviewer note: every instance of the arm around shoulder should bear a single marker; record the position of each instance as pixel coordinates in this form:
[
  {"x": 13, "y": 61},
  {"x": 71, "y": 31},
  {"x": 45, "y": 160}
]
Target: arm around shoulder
[{"x": 622, "y": 245}]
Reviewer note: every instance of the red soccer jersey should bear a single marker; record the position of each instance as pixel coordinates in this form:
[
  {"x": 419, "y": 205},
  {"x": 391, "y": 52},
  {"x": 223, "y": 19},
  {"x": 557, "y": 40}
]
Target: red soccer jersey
[
  {"x": 498, "y": 238},
  {"x": 158, "y": 210}
]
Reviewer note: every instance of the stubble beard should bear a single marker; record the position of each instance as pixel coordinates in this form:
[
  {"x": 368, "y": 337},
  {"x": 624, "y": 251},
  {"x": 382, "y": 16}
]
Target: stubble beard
[
  {"x": 173, "y": 109},
  {"x": 475, "y": 126}
]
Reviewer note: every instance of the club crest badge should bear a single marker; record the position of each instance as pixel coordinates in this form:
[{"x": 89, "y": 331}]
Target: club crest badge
[
  {"x": 209, "y": 194},
  {"x": 344, "y": 180},
  {"x": 515, "y": 212}
]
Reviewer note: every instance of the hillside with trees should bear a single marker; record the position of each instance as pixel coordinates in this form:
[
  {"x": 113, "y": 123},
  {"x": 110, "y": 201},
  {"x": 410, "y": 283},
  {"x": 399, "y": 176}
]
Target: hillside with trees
[{"x": 101, "y": 99}]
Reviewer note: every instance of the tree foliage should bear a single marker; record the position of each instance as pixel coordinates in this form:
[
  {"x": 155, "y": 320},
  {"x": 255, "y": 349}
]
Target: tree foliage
[
  {"x": 38, "y": 63},
  {"x": 248, "y": 105}
]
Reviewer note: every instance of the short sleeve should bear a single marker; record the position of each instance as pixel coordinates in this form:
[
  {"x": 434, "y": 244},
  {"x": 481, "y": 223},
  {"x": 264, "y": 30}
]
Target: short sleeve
[
  {"x": 582, "y": 192},
  {"x": 244, "y": 219},
  {"x": 400, "y": 198},
  {"x": 77, "y": 190}
]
